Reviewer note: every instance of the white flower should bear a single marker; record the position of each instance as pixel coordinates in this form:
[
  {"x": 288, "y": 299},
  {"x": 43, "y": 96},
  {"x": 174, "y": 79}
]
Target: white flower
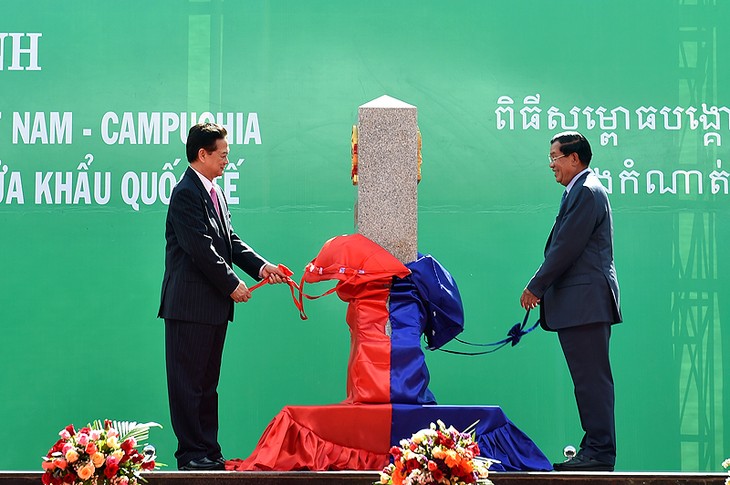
[{"x": 419, "y": 437}]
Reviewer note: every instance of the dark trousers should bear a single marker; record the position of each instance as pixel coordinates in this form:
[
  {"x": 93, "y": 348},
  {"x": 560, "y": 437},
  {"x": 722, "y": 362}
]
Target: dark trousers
[
  {"x": 586, "y": 352},
  {"x": 193, "y": 355}
]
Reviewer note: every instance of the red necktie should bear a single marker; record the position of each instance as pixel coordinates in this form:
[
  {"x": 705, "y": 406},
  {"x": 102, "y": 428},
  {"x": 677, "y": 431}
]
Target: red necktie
[{"x": 214, "y": 196}]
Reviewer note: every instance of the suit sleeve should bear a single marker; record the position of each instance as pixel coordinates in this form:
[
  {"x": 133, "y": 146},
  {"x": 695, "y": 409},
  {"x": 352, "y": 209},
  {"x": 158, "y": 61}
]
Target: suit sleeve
[
  {"x": 187, "y": 215},
  {"x": 243, "y": 255},
  {"x": 568, "y": 241},
  {"x": 246, "y": 258}
]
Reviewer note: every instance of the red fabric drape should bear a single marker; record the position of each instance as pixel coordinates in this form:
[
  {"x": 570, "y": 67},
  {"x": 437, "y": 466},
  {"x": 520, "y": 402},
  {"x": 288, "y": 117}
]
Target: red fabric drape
[
  {"x": 319, "y": 438},
  {"x": 368, "y": 369}
]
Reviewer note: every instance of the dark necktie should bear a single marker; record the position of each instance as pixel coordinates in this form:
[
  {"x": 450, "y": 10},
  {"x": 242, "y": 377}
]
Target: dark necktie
[{"x": 562, "y": 199}]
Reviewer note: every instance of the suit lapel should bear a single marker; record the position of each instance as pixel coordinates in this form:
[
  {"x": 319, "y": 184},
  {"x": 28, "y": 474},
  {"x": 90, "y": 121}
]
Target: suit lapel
[
  {"x": 193, "y": 176},
  {"x": 225, "y": 221},
  {"x": 212, "y": 214},
  {"x": 219, "y": 220},
  {"x": 564, "y": 206}
]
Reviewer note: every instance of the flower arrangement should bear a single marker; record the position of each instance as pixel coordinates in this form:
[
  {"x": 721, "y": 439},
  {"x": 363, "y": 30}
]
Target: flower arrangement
[
  {"x": 437, "y": 455},
  {"x": 100, "y": 454}
]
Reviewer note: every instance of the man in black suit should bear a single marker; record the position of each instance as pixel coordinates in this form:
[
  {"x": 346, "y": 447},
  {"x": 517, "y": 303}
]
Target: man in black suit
[
  {"x": 577, "y": 290},
  {"x": 199, "y": 290}
]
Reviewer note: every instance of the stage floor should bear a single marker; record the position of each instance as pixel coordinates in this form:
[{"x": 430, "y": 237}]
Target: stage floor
[{"x": 367, "y": 478}]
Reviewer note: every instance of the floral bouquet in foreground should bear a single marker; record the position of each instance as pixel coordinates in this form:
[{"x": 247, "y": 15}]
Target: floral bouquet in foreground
[
  {"x": 437, "y": 455},
  {"x": 100, "y": 453}
]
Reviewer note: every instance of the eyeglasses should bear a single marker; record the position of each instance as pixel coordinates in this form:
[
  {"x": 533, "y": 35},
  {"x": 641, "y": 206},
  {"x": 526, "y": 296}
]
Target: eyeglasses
[{"x": 553, "y": 160}]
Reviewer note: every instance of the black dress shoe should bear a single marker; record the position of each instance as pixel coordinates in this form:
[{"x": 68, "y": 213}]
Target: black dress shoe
[
  {"x": 220, "y": 460},
  {"x": 581, "y": 463},
  {"x": 203, "y": 464}
]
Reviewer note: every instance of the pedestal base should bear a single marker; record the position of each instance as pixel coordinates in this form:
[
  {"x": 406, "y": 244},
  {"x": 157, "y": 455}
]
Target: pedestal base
[{"x": 359, "y": 437}]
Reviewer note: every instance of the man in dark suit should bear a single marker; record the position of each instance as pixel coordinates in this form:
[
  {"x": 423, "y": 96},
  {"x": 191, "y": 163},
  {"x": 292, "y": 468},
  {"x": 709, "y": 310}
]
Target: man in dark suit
[
  {"x": 577, "y": 290},
  {"x": 199, "y": 290}
]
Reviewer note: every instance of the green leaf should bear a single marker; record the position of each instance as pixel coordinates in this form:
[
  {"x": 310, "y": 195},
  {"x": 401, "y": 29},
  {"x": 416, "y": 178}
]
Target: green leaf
[
  {"x": 131, "y": 429},
  {"x": 471, "y": 428}
]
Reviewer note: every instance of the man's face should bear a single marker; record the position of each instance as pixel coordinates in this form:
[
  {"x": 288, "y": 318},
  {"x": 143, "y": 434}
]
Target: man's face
[
  {"x": 565, "y": 167},
  {"x": 215, "y": 162}
]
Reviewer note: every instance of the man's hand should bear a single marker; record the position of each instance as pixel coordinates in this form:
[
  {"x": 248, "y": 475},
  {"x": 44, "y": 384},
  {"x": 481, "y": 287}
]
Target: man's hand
[
  {"x": 241, "y": 293},
  {"x": 528, "y": 301},
  {"x": 273, "y": 274}
]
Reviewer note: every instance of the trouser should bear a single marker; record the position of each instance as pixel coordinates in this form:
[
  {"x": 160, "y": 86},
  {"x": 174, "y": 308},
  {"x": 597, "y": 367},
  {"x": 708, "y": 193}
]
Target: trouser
[
  {"x": 193, "y": 355},
  {"x": 586, "y": 350}
]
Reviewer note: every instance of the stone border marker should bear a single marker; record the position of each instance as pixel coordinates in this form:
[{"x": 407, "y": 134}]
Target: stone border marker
[{"x": 387, "y": 197}]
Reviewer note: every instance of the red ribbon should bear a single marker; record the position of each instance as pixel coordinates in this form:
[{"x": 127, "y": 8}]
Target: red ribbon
[{"x": 298, "y": 302}]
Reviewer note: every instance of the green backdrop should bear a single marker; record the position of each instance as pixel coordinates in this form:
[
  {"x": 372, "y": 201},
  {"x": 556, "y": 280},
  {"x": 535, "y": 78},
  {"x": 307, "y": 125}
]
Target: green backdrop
[{"x": 115, "y": 84}]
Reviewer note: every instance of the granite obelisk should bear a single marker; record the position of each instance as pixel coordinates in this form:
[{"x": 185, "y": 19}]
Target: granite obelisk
[{"x": 387, "y": 198}]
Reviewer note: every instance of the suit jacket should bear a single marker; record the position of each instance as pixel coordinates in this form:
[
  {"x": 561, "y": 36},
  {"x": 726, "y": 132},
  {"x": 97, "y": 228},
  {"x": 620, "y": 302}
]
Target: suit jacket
[
  {"x": 199, "y": 255},
  {"x": 577, "y": 281}
]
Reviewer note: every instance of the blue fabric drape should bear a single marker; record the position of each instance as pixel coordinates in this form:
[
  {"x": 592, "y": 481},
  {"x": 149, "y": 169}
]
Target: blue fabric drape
[
  {"x": 409, "y": 375},
  {"x": 441, "y": 298},
  {"x": 497, "y": 436}
]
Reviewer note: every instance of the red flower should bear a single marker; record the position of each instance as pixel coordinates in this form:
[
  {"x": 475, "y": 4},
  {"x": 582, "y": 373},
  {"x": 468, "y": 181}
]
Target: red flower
[
  {"x": 91, "y": 448},
  {"x": 445, "y": 440},
  {"x": 437, "y": 474},
  {"x": 107, "y": 424},
  {"x": 396, "y": 452},
  {"x": 46, "y": 478},
  {"x": 70, "y": 429},
  {"x": 148, "y": 465},
  {"x": 57, "y": 447},
  {"x": 128, "y": 445},
  {"x": 111, "y": 469},
  {"x": 474, "y": 448},
  {"x": 69, "y": 478}
]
